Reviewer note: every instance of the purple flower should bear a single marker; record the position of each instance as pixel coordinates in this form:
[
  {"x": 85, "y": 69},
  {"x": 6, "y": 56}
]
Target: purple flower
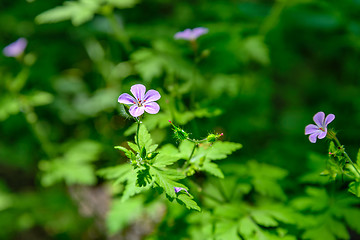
[
  {"x": 191, "y": 34},
  {"x": 178, "y": 189},
  {"x": 320, "y": 129},
  {"x": 142, "y": 102},
  {"x": 16, "y": 48}
]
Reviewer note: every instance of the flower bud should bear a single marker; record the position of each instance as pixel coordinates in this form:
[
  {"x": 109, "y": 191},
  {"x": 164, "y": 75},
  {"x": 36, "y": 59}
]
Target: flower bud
[
  {"x": 179, "y": 133},
  {"x": 211, "y": 138}
]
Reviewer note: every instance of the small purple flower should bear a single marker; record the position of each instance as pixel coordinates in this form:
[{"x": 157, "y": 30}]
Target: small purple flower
[
  {"x": 191, "y": 34},
  {"x": 320, "y": 129},
  {"x": 178, "y": 189},
  {"x": 142, "y": 102},
  {"x": 16, "y": 48}
]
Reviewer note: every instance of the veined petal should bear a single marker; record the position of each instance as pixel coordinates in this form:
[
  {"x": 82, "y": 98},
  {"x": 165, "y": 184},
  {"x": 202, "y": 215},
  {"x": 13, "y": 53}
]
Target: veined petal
[
  {"x": 329, "y": 118},
  {"x": 126, "y": 99},
  {"x": 319, "y": 119},
  {"x": 138, "y": 90},
  {"x": 136, "y": 111},
  {"x": 322, "y": 134},
  {"x": 152, "y": 107},
  {"x": 151, "y": 96},
  {"x": 313, "y": 136},
  {"x": 311, "y": 128}
]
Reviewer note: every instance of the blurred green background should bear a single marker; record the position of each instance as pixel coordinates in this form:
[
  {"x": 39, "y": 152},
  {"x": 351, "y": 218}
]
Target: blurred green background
[{"x": 266, "y": 68}]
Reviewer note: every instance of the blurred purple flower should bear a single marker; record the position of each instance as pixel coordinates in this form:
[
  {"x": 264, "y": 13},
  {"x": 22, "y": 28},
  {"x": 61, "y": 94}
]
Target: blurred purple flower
[
  {"x": 16, "y": 48},
  {"x": 320, "y": 129},
  {"x": 142, "y": 102},
  {"x": 178, "y": 189},
  {"x": 191, "y": 34}
]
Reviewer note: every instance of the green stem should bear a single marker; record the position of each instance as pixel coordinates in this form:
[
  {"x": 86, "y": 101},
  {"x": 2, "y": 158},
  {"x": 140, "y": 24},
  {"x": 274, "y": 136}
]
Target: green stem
[
  {"x": 187, "y": 163},
  {"x": 137, "y": 133},
  {"x": 337, "y": 142},
  {"x": 196, "y": 141}
]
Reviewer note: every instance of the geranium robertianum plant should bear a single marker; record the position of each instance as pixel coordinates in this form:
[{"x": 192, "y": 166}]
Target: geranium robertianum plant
[
  {"x": 163, "y": 168},
  {"x": 339, "y": 162}
]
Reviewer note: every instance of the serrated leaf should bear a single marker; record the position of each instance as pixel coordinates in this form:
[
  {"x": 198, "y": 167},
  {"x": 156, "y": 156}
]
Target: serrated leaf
[
  {"x": 133, "y": 146},
  {"x": 131, "y": 188},
  {"x": 165, "y": 180},
  {"x": 212, "y": 168},
  {"x": 187, "y": 201},
  {"x": 358, "y": 158},
  {"x": 127, "y": 152},
  {"x": 220, "y": 150},
  {"x": 144, "y": 137},
  {"x": 163, "y": 160}
]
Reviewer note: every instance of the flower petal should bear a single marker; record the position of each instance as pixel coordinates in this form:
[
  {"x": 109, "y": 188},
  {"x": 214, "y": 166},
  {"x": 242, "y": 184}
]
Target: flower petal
[
  {"x": 151, "y": 96},
  {"x": 136, "y": 111},
  {"x": 322, "y": 134},
  {"x": 197, "y": 32},
  {"x": 126, "y": 99},
  {"x": 16, "y": 48},
  {"x": 152, "y": 107},
  {"x": 313, "y": 136},
  {"x": 138, "y": 90},
  {"x": 329, "y": 118},
  {"x": 310, "y": 129},
  {"x": 186, "y": 34},
  {"x": 319, "y": 119}
]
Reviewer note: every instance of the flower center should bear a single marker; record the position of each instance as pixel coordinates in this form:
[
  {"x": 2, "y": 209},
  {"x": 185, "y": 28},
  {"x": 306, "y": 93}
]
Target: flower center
[
  {"x": 140, "y": 102},
  {"x": 322, "y": 129}
]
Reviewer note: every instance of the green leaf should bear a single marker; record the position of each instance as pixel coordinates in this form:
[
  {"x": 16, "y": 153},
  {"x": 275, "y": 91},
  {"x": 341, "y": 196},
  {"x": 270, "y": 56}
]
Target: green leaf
[
  {"x": 143, "y": 177},
  {"x": 84, "y": 151},
  {"x": 78, "y": 12},
  {"x": 318, "y": 233},
  {"x": 187, "y": 201},
  {"x": 144, "y": 138},
  {"x": 39, "y": 98},
  {"x": 163, "y": 179},
  {"x": 247, "y": 227},
  {"x": 74, "y": 167},
  {"x": 127, "y": 152},
  {"x": 354, "y": 188},
  {"x": 358, "y": 158},
  {"x": 122, "y": 214},
  {"x": 256, "y": 49},
  {"x": 352, "y": 216},
  {"x": 220, "y": 150},
  {"x": 133, "y": 146},
  {"x": 163, "y": 160},
  {"x": 117, "y": 172},
  {"x": 212, "y": 168},
  {"x": 123, "y": 3},
  {"x": 226, "y": 229},
  {"x": 263, "y": 218},
  {"x": 9, "y": 106}
]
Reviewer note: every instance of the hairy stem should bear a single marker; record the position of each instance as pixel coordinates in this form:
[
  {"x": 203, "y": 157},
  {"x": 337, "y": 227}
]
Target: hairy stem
[{"x": 337, "y": 142}]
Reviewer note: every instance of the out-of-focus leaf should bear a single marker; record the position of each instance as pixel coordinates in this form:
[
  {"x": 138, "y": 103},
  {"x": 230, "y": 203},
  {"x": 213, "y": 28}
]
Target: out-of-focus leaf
[{"x": 122, "y": 214}]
